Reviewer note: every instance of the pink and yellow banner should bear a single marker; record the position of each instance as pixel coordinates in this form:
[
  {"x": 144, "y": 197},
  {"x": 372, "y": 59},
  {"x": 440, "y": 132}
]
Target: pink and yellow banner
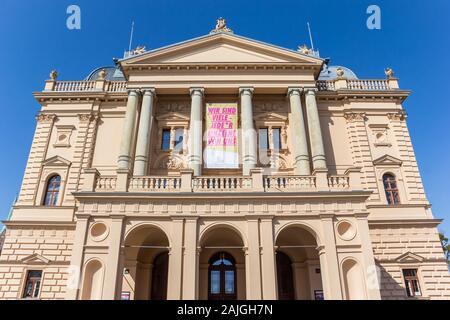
[{"x": 221, "y": 136}]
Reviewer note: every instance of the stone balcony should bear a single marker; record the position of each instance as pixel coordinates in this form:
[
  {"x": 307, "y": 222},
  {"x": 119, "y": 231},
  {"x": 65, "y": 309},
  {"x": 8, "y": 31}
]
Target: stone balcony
[{"x": 185, "y": 182}]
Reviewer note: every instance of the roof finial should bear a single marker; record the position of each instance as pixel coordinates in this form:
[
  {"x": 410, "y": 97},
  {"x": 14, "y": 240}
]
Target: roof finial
[{"x": 221, "y": 26}]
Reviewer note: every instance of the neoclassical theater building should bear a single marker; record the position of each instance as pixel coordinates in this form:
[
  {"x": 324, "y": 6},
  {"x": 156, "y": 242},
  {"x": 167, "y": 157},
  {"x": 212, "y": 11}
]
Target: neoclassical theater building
[{"x": 222, "y": 167}]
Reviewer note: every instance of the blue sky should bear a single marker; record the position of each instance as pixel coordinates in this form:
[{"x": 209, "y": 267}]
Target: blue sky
[{"x": 413, "y": 40}]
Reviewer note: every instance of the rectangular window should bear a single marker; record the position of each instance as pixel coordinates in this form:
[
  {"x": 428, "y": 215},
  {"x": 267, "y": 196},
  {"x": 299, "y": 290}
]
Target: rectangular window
[
  {"x": 179, "y": 136},
  {"x": 263, "y": 139},
  {"x": 411, "y": 282},
  {"x": 276, "y": 137},
  {"x": 215, "y": 282},
  {"x": 33, "y": 284},
  {"x": 165, "y": 144}
]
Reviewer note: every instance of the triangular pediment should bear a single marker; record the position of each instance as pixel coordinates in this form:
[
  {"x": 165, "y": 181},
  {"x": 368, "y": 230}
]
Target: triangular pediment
[
  {"x": 35, "y": 259},
  {"x": 174, "y": 116},
  {"x": 270, "y": 116},
  {"x": 221, "y": 48},
  {"x": 57, "y": 161},
  {"x": 409, "y": 257},
  {"x": 387, "y": 160}
]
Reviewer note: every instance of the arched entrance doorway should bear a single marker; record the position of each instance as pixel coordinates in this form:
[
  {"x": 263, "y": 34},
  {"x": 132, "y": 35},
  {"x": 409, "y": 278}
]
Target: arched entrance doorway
[
  {"x": 222, "y": 265},
  {"x": 146, "y": 263},
  {"x": 285, "y": 277},
  {"x": 159, "y": 277},
  {"x": 298, "y": 265}
]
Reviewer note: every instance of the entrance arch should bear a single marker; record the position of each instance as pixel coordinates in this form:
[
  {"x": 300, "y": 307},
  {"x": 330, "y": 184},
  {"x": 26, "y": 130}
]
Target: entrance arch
[
  {"x": 298, "y": 264},
  {"x": 146, "y": 263},
  {"x": 222, "y": 264}
]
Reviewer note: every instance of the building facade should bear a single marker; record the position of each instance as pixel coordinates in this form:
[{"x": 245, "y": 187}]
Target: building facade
[{"x": 222, "y": 168}]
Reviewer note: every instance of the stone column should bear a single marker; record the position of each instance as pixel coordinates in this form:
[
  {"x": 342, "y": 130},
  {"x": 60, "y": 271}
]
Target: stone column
[
  {"x": 269, "y": 288},
  {"x": 196, "y": 132},
  {"x": 249, "y": 155},
  {"x": 315, "y": 133},
  {"x": 175, "y": 261},
  {"x": 113, "y": 278},
  {"x": 145, "y": 129},
  {"x": 368, "y": 261},
  {"x": 298, "y": 133},
  {"x": 252, "y": 262},
  {"x": 332, "y": 277},
  {"x": 74, "y": 281},
  {"x": 128, "y": 130},
  {"x": 190, "y": 269}
]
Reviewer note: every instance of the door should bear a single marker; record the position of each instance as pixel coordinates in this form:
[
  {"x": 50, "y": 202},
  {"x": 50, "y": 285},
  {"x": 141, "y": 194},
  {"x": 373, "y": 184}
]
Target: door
[
  {"x": 285, "y": 277},
  {"x": 222, "y": 277},
  {"x": 159, "y": 277}
]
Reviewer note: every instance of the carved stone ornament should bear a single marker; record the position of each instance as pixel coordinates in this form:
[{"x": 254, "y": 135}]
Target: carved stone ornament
[
  {"x": 397, "y": 116},
  {"x": 45, "y": 117},
  {"x": 340, "y": 72},
  {"x": 355, "y": 116},
  {"x": 139, "y": 50},
  {"x": 304, "y": 49},
  {"x": 87, "y": 117},
  {"x": 389, "y": 73},
  {"x": 102, "y": 74},
  {"x": 175, "y": 162},
  {"x": 221, "y": 26},
  {"x": 53, "y": 75}
]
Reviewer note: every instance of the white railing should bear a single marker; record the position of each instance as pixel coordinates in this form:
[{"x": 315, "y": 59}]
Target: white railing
[
  {"x": 74, "y": 86},
  {"x": 201, "y": 184},
  {"x": 325, "y": 85},
  {"x": 106, "y": 183},
  {"x": 381, "y": 85},
  {"x": 158, "y": 184},
  {"x": 339, "y": 182},
  {"x": 286, "y": 183},
  {"x": 117, "y": 86}
]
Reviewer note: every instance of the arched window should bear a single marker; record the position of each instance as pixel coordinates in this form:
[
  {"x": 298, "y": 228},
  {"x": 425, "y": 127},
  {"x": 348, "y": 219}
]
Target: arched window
[
  {"x": 52, "y": 191},
  {"x": 390, "y": 188},
  {"x": 222, "y": 277}
]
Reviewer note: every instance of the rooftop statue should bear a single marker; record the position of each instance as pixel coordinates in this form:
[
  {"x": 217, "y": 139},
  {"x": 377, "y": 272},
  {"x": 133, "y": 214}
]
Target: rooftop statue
[{"x": 221, "y": 26}]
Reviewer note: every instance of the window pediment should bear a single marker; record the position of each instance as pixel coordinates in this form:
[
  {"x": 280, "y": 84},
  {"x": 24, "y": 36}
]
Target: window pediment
[
  {"x": 35, "y": 259},
  {"x": 56, "y": 161},
  {"x": 409, "y": 257},
  {"x": 388, "y": 160}
]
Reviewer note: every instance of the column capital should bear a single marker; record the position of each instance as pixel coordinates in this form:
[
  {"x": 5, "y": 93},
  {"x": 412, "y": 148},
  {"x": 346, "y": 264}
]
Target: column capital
[
  {"x": 310, "y": 91},
  {"x": 246, "y": 90},
  {"x": 149, "y": 91},
  {"x": 294, "y": 90},
  {"x": 194, "y": 91},
  {"x": 133, "y": 91}
]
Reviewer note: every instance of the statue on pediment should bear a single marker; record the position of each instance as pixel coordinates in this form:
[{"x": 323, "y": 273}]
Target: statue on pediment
[
  {"x": 221, "y": 26},
  {"x": 304, "y": 49}
]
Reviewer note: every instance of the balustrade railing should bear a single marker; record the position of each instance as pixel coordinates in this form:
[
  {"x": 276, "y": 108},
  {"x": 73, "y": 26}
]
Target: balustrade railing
[
  {"x": 117, "y": 86},
  {"x": 380, "y": 85},
  {"x": 339, "y": 182},
  {"x": 106, "y": 183},
  {"x": 286, "y": 183},
  {"x": 74, "y": 86},
  {"x": 222, "y": 184},
  {"x": 325, "y": 85},
  {"x": 201, "y": 184},
  {"x": 158, "y": 184}
]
